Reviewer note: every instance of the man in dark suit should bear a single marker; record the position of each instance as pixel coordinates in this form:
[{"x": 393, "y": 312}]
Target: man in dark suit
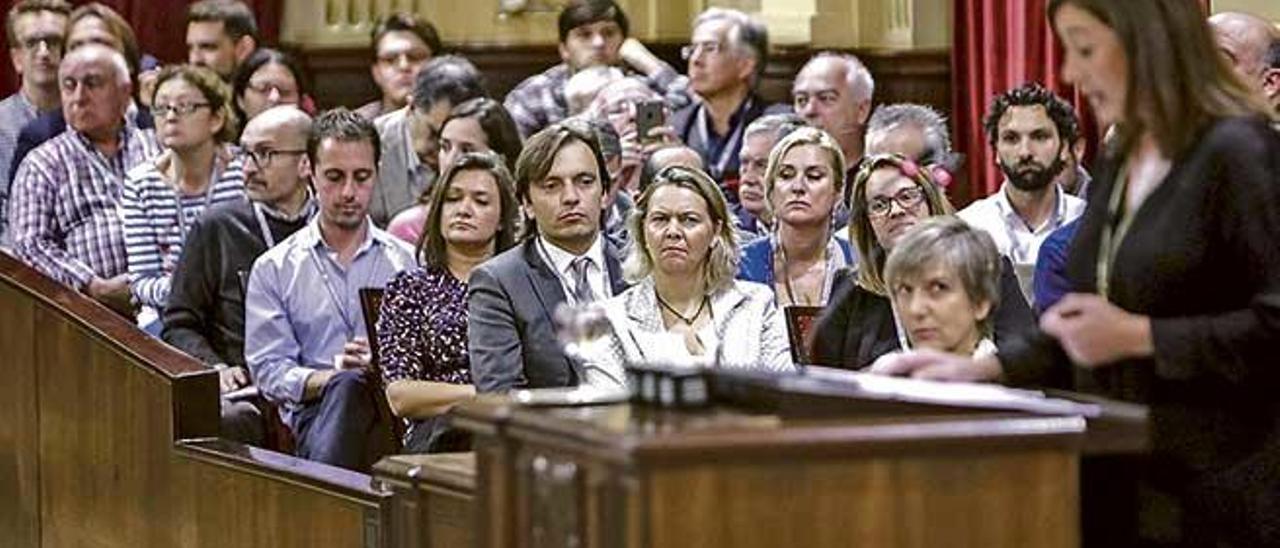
[{"x": 561, "y": 182}]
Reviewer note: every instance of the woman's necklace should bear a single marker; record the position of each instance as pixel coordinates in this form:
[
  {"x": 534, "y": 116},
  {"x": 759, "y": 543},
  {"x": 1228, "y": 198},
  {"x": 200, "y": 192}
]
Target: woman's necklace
[
  {"x": 786, "y": 275},
  {"x": 688, "y": 320}
]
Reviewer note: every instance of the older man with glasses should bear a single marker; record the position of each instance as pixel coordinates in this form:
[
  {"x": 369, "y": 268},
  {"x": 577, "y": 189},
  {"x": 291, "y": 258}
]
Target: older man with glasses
[{"x": 36, "y": 30}]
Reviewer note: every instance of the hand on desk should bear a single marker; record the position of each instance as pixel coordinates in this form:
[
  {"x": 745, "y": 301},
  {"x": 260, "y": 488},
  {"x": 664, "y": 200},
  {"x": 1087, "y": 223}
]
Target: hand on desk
[
  {"x": 232, "y": 378},
  {"x": 113, "y": 292},
  {"x": 933, "y": 365}
]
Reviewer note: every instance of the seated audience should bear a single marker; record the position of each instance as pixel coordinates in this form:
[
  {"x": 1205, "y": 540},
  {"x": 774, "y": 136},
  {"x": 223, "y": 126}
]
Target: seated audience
[
  {"x": 36, "y": 30},
  {"x": 561, "y": 183},
  {"x": 64, "y": 207},
  {"x": 204, "y": 315},
  {"x": 890, "y": 195},
  {"x": 943, "y": 278},
  {"x": 475, "y": 125},
  {"x": 916, "y": 132},
  {"x": 684, "y": 305},
  {"x": 619, "y": 203},
  {"x": 269, "y": 78},
  {"x": 422, "y": 327},
  {"x": 803, "y": 182},
  {"x": 221, "y": 34},
  {"x": 833, "y": 92},
  {"x": 581, "y": 89},
  {"x": 617, "y": 103},
  {"x": 1032, "y": 131},
  {"x": 164, "y": 196},
  {"x": 411, "y": 135},
  {"x": 304, "y": 330},
  {"x": 592, "y": 33},
  {"x": 402, "y": 45},
  {"x": 726, "y": 56},
  {"x": 92, "y": 23},
  {"x": 752, "y": 215}
]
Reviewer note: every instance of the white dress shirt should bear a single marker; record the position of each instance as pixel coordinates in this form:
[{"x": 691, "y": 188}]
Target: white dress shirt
[
  {"x": 561, "y": 261},
  {"x": 1014, "y": 238}
]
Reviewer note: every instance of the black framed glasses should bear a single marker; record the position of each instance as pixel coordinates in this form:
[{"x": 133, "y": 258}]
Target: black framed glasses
[
  {"x": 181, "y": 109},
  {"x": 906, "y": 199},
  {"x": 263, "y": 157}
]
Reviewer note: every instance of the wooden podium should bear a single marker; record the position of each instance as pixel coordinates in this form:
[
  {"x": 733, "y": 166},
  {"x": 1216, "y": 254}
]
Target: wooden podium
[{"x": 639, "y": 476}]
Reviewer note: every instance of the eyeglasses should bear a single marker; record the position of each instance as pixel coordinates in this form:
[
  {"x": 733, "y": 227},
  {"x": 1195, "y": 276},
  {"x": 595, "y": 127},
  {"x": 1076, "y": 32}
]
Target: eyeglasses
[
  {"x": 266, "y": 87},
  {"x": 906, "y": 199},
  {"x": 411, "y": 57},
  {"x": 262, "y": 158},
  {"x": 708, "y": 48},
  {"x": 51, "y": 41},
  {"x": 181, "y": 109}
]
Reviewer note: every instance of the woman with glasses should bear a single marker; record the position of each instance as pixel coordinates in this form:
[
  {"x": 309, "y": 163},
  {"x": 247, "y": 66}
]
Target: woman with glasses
[
  {"x": 685, "y": 307},
  {"x": 890, "y": 195},
  {"x": 422, "y": 326},
  {"x": 475, "y": 125},
  {"x": 162, "y": 198},
  {"x": 803, "y": 184},
  {"x": 268, "y": 78}
]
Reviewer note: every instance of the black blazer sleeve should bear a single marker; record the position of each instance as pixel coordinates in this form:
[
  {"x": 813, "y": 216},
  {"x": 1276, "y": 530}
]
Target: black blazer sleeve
[
  {"x": 192, "y": 296},
  {"x": 493, "y": 336}
]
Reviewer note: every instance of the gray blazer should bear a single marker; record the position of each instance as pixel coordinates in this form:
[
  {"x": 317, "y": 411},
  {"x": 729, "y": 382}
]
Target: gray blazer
[
  {"x": 401, "y": 177},
  {"x": 511, "y": 336}
]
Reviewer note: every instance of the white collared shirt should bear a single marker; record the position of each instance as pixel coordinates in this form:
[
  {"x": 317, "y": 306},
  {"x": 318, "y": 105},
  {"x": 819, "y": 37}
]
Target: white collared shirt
[
  {"x": 1013, "y": 236},
  {"x": 561, "y": 261}
]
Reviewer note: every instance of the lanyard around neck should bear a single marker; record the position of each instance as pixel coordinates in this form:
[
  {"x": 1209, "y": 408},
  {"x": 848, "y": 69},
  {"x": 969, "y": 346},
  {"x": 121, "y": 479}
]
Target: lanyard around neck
[
  {"x": 339, "y": 304},
  {"x": 214, "y": 175},
  {"x": 730, "y": 145}
]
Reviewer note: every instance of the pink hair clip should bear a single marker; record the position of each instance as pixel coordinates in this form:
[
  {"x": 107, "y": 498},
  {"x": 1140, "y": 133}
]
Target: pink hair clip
[
  {"x": 941, "y": 176},
  {"x": 910, "y": 169}
]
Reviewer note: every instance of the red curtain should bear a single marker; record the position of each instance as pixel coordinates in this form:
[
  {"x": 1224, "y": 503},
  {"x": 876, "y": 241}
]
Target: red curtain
[
  {"x": 998, "y": 45},
  {"x": 161, "y": 28}
]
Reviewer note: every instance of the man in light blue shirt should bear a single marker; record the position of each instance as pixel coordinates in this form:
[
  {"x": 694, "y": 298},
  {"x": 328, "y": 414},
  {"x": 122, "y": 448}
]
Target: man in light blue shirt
[{"x": 304, "y": 331}]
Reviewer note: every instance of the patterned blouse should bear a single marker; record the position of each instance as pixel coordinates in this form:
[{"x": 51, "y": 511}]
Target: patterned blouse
[{"x": 422, "y": 328}]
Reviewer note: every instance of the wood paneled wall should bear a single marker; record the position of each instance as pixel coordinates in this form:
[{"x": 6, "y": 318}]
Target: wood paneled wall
[{"x": 341, "y": 75}]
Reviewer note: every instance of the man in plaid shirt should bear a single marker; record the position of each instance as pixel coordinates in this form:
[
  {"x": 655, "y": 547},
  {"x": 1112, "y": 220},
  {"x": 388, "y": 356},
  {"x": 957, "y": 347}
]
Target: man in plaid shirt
[
  {"x": 63, "y": 210},
  {"x": 592, "y": 32}
]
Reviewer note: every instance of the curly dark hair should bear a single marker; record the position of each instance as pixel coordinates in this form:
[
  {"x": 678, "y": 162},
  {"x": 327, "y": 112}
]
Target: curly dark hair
[{"x": 1029, "y": 95}]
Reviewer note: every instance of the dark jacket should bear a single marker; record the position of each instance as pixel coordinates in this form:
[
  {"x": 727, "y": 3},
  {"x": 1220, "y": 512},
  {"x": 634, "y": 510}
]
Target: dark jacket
[
  {"x": 204, "y": 316},
  {"x": 511, "y": 335},
  {"x": 857, "y": 325},
  {"x": 683, "y": 121}
]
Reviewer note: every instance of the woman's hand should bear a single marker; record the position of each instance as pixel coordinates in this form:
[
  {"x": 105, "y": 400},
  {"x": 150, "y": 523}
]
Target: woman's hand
[
  {"x": 1095, "y": 332},
  {"x": 933, "y": 365}
]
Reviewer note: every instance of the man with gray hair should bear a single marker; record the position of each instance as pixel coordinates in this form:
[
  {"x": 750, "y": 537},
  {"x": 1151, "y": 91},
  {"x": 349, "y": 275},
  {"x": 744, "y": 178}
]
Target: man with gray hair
[
  {"x": 726, "y": 57},
  {"x": 752, "y": 212},
  {"x": 833, "y": 92},
  {"x": 915, "y": 131},
  {"x": 63, "y": 208},
  {"x": 1243, "y": 39}
]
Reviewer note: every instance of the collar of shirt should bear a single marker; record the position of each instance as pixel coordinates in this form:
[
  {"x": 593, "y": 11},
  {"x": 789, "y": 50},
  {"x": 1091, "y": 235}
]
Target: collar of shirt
[
  {"x": 1015, "y": 223},
  {"x": 308, "y": 209},
  {"x": 561, "y": 261},
  {"x": 310, "y": 238}
]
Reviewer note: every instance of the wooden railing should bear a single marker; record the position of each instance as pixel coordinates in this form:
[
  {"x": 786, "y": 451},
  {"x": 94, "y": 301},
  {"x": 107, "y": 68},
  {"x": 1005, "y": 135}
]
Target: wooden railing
[{"x": 108, "y": 439}]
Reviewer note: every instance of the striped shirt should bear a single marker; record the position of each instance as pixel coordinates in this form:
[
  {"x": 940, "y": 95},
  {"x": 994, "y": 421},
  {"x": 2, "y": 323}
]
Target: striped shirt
[
  {"x": 64, "y": 207},
  {"x": 153, "y": 228},
  {"x": 15, "y": 111}
]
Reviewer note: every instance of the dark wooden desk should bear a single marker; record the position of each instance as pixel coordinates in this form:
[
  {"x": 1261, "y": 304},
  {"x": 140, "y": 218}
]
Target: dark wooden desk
[
  {"x": 631, "y": 476},
  {"x": 434, "y": 498}
]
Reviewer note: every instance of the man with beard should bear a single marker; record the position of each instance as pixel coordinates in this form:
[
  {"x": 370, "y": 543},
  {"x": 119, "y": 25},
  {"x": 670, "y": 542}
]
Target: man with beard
[{"x": 1032, "y": 131}]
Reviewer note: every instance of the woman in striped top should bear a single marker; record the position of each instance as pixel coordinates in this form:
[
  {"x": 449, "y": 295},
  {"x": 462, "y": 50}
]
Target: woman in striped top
[{"x": 164, "y": 197}]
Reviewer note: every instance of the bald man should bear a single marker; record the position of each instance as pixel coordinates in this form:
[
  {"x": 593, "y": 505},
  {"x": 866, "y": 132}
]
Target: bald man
[
  {"x": 833, "y": 92},
  {"x": 205, "y": 313},
  {"x": 1244, "y": 40},
  {"x": 63, "y": 206}
]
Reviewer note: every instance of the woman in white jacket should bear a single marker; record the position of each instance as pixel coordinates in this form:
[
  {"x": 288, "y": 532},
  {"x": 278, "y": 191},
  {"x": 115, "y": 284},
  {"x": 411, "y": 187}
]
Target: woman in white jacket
[{"x": 684, "y": 306}]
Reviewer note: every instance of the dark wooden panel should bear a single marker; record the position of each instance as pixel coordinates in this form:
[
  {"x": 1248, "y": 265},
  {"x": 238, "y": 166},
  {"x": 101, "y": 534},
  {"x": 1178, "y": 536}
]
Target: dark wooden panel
[
  {"x": 19, "y": 425},
  {"x": 342, "y": 75},
  {"x": 254, "y": 497},
  {"x": 434, "y": 498}
]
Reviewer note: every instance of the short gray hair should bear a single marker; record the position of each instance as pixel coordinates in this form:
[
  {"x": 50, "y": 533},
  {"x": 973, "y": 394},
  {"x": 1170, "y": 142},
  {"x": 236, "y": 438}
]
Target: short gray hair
[
  {"x": 776, "y": 125},
  {"x": 937, "y": 138},
  {"x": 862, "y": 86},
  {"x": 950, "y": 242},
  {"x": 746, "y": 34},
  {"x": 113, "y": 57}
]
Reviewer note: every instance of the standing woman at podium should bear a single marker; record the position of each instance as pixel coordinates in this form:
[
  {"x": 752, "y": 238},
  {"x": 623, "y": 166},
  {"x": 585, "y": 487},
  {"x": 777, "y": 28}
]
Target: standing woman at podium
[{"x": 1175, "y": 271}]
